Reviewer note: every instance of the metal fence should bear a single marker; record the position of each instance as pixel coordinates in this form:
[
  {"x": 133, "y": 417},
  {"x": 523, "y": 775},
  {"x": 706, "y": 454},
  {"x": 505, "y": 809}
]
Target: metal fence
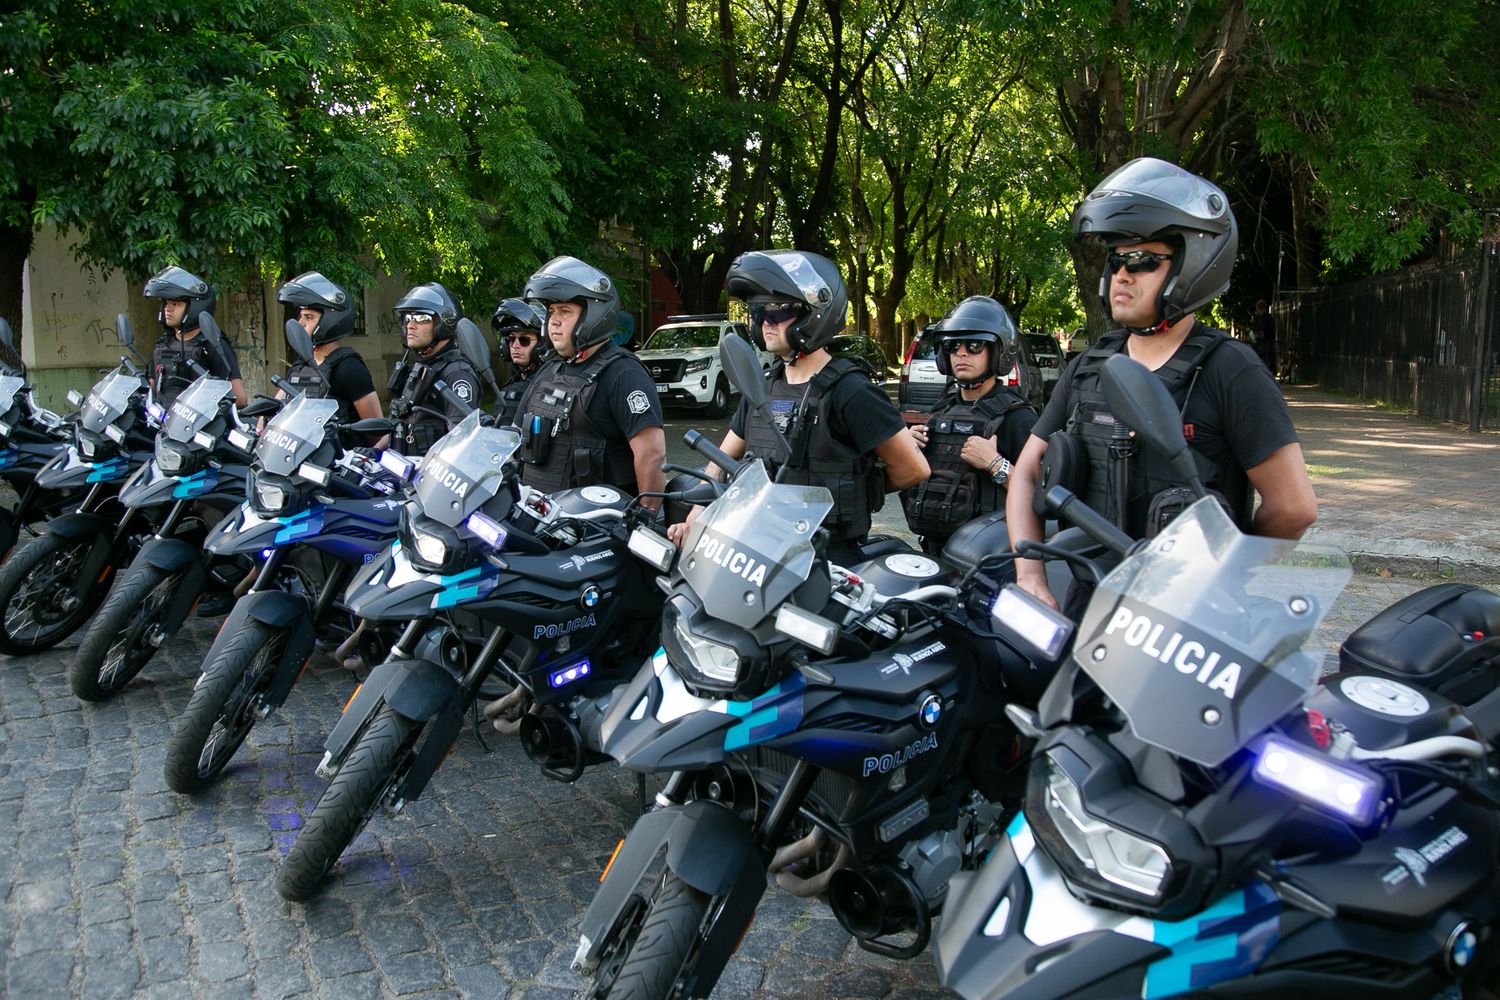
[{"x": 1424, "y": 338}]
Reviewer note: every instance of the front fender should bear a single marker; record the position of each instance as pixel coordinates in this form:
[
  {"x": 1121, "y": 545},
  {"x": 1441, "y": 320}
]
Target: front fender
[
  {"x": 418, "y": 689},
  {"x": 279, "y": 610},
  {"x": 706, "y": 846},
  {"x": 173, "y": 555}
]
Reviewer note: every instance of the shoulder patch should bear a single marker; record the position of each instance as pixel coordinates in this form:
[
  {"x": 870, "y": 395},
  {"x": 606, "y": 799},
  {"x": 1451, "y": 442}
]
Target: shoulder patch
[
  {"x": 638, "y": 402},
  {"x": 464, "y": 390}
]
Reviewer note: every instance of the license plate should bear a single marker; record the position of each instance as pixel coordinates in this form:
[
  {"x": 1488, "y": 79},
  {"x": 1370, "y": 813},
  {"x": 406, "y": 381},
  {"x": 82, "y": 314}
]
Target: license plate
[{"x": 663, "y": 387}]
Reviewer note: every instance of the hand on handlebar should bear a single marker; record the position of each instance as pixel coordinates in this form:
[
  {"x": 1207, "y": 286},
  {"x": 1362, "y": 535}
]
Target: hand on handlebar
[
  {"x": 677, "y": 533},
  {"x": 1031, "y": 576}
]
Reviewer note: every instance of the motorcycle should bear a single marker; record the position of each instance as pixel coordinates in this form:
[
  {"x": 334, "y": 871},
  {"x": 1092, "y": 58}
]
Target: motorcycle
[
  {"x": 488, "y": 579},
  {"x": 195, "y": 473},
  {"x": 313, "y": 514},
  {"x": 30, "y": 436},
  {"x": 50, "y": 585},
  {"x": 1203, "y": 816},
  {"x": 831, "y": 726}
]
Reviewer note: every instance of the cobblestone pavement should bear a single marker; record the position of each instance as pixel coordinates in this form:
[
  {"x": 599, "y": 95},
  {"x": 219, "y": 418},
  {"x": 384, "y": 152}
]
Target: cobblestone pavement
[{"x": 111, "y": 885}]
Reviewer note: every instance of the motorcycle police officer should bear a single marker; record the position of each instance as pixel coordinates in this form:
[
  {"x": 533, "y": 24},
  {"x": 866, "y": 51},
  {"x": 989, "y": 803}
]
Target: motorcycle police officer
[
  {"x": 429, "y": 321},
  {"x": 591, "y": 415},
  {"x": 1171, "y": 238},
  {"x": 185, "y": 298},
  {"x": 976, "y": 431},
  {"x": 838, "y": 424},
  {"x": 326, "y": 312},
  {"x": 518, "y": 325}
]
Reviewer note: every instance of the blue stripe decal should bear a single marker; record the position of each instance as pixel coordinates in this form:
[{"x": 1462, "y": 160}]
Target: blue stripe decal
[
  {"x": 8, "y": 457},
  {"x": 1228, "y": 940},
  {"x": 303, "y": 524},
  {"x": 105, "y": 472},
  {"x": 1016, "y": 826},
  {"x": 198, "y": 482},
  {"x": 766, "y": 716},
  {"x": 470, "y": 585}
]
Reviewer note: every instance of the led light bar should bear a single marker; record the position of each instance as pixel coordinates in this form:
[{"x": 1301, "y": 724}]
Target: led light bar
[
  {"x": 1349, "y": 792},
  {"x": 567, "y": 675},
  {"x": 490, "y": 531},
  {"x": 156, "y": 412},
  {"x": 75, "y": 398},
  {"x": 240, "y": 439},
  {"x": 111, "y": 431},
  {"x": 203, "y": 439},
  {"x": 807, "y": 628},
  {"x": 1041, "y": 627},
  {"x": 397, "y": 465},
  {"x": 313, "y": 473},
  {"x": 652, "y": 549}
]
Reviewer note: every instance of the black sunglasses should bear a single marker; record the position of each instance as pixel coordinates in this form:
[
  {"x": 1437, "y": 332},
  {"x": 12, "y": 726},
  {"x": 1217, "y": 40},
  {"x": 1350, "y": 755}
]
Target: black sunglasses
[
  {"x": 1137, "y": 261},
  {"x": 524, "y": 339},
  {"x": 969, "y": 346},
  {"x": 776, "y": 312}
]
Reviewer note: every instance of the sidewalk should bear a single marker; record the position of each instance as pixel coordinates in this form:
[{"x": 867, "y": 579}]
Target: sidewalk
[{"x": 1398, "y": 491}]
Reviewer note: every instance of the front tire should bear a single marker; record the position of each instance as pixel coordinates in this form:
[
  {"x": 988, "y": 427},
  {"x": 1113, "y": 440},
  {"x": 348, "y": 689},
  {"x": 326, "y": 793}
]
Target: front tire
[
  {"x": 718, "y": 406},
  {"x": 224, "y": 706},
  {"x": 40, "y": 593},
  {"x": 375, "y": 764},
  {"x": 667, "y": 937},
  {"x": 120, "y": 639}
]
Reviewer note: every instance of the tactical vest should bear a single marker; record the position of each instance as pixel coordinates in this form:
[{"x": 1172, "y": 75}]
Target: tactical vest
[
  {"x": 1154, "y": 494},
  {"x": 170, "y": 365},
  {"x": 560, "y": 445},
  {"x": 511, "y": 395},
  {"x": 817, "y": 459},
  {"x": 956, "y": 492},
  {"x": 307, "y": 379},
  {"x": 417, "y": 431}
]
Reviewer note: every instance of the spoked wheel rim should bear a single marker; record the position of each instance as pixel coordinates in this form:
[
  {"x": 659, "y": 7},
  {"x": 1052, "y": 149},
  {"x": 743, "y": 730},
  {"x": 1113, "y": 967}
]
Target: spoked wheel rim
[
  {"x": 131, "y": 651},
  {"x": 38, "y": 603},
  {"x": 241, "y": 711}
]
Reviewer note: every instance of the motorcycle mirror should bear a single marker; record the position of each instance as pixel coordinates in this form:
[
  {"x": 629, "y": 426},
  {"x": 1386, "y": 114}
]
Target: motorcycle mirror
[
  {"x": 473, "y": 344},
  {"x": 743, "y": 369},
  {"x": 299, "y": 341},
  {"x": 373, "y": 425},
  {"x": 1140, "y": 399},
  {"x": 123, "y": 332},
  {"x": 209, "y": 327}
]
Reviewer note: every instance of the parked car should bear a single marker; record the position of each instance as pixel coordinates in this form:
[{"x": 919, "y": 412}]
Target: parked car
[
  {"x": 1048, "y": 357},
  {"x": 682, "y": 356},
  {"x": 922, "y": 384},
  {"x": 865, "y": 348}
]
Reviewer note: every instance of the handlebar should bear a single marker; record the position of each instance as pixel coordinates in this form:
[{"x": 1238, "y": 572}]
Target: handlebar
[
  {"x": 282, "y": 384},
  {"x": 1071, "y": 508},
  {"x": 703, "y": 446},
  {"x": 453, "y": 399}
]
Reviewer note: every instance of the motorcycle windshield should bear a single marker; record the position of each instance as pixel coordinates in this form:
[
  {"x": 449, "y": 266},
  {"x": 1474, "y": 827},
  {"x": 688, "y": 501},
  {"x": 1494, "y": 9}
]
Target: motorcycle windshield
[
  {"x": 1206, "y": 637},
  {"x": 294, "y": 434},
  {"x": 464, "y": 469},
  {"x": 108, "y": 400},
  {"x": 197, "y": 405},
  {"x": 9, "y": 386},
  {"x": 753, "y": 546}
]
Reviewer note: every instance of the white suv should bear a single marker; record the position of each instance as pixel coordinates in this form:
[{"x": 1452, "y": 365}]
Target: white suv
[{"x": 682, "y": 356}]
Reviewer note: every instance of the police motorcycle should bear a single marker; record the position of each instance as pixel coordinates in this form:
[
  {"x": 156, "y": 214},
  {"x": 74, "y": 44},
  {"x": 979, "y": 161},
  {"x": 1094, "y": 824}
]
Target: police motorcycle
[
  {"x": 827, "y": 725},
  {"x": 195, "y": 475},
  {"x": 314, "y": 512},
  {"x": 30, "y": 436},
  {"x": 51, "y": 584},
  {"x": 488, "y": 579},
  {"x": 1203, "y": 816}
]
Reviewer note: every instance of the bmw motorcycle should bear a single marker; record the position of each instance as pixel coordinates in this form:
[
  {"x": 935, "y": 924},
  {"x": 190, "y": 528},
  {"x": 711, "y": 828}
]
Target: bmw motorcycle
[
  {"x": 1203, "y": 816},
  {"x": 50, "y": 585},
  {"x": 195, "y": 476},
  {"x": 30, "y": 436}
]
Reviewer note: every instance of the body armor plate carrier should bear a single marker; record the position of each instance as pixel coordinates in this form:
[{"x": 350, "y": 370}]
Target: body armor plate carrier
[
  {"x": 956, "y": 492},
  {"x": 560, "y": 444},
  {"x": 170, "y": 365},
  {"x": 417, "y": 431},
  {"x": 306, "y": 378}
]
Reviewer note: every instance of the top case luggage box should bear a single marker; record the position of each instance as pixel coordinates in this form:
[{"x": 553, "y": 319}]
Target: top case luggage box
[{"x": 1445, "y": 638}]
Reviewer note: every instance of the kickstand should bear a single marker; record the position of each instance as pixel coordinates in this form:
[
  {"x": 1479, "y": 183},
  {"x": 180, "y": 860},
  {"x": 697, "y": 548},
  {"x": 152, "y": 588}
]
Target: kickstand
[
  {"x": 640, "y": 791},
  {"x": 478, "y": 733}
]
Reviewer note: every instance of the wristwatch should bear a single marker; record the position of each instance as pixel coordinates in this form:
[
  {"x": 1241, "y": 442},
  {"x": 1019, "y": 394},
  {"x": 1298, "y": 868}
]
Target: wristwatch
[{"x": 1000, "y": 470}]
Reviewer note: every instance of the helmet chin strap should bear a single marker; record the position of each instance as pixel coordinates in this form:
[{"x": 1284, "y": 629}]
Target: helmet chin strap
[{"x": 972, "y": 383}]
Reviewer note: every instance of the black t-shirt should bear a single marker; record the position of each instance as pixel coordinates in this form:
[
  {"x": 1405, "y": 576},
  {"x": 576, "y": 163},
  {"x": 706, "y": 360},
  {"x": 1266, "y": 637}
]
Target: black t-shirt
[
  {"x": 1014, "y": 429},
  {"x": 349, "y": 378},
  {"x": 1236, "y": 415},
  {"x": 625, "y": 401},
  {"x": 859, "y": 415}
]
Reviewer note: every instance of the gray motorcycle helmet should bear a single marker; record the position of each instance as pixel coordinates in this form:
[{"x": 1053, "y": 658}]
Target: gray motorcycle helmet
[
  {"x": 431, "y": 298},
  {"x": 313, "y": 291},
  {"x": 176, "y": 283},
  {"x": 979, "y": 317},
  {"x": 518, "y": 314},
  {"x": 568, "y": 279},
  {"x": 792, "y": 276},
  {"x": 1148, "y": 200}
]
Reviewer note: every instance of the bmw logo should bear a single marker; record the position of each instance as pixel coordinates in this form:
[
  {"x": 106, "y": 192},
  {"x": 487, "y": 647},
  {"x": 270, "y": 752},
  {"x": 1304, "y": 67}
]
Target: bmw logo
[
  {"x": 590, "y": 596},
  {"x": 1461, "y": 946},
  {"x": 930, "y": 711}
]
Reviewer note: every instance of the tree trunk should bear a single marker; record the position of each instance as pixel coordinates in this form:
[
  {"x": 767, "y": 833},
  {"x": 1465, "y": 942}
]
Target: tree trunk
[
  {"x": 1088, "y": 264},
  {"x": 15, "y": 247}
]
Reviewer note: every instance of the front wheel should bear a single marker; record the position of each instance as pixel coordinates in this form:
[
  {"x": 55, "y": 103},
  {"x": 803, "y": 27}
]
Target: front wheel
[
  {"x": 124, "y": 634},
  {"x": 42, "y": 597},
  {"x": 227, "y": 701},
  {"x": 667, "y": 937},
  {"x": 376, "y": 763},
  {"x": 718, "y": 406}
]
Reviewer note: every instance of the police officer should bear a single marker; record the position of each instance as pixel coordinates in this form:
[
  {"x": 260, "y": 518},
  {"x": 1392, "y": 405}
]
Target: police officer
[
  {"x": 976, "y": 431},
  {"x": 518, "y": 326},
  {"x": 591, "y": 415},
  {"x": 429, "y": 321},
  {"x": 185, "y": 298},
  {"x": 1172, "y": 239},
  {"x": 326, "y": 312},
  {"x": 837, "y": 422}
]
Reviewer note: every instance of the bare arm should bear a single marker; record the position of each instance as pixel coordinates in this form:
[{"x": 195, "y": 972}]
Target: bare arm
[
  {"x": 1287, "y": 504},
  {"x": 240, "y": 399},
  {"x": 649, "y": 446},
  {"x": 905, "y": 465},
  {"x": 1022, "y": 521},
  {"x": 367, "y": 406},
  {"x": 734, "y": 446}
]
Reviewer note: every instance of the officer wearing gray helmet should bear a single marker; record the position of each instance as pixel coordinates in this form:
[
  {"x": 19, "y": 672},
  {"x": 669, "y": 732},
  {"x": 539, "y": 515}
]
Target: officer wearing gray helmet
[
  {"x": 338, "y": 372},
  {"x": 519, "y": 327},
  {"x": 185, "y": 299}
]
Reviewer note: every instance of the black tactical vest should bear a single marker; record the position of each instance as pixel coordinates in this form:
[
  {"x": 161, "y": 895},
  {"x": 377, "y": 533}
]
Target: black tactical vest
[
  {"x": 956, "y": 492},
  {"x": 817, "y": 459},
  {"x": 510, "y": 397},
  {"x": 416, "y": 431},
  {"x": 305, "y": 377},
  {"x": 170, "y": 365},
  {"x": 560, "y": 445},
  {"x": 1154, "y": 495}
]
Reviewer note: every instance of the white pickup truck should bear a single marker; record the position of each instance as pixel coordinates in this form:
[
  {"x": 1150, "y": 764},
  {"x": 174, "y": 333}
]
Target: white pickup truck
[{"x": 682, "y": 356}]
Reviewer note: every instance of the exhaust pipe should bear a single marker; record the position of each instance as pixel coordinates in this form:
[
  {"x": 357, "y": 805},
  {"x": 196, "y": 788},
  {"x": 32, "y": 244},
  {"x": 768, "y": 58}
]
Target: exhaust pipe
[
  {"x": 817, "y": 885},
  {"x": 499, "y": 710}
]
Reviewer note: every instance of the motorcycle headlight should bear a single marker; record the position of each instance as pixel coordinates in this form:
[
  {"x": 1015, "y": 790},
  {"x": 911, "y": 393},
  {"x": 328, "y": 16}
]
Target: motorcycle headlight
[
  {"x": 1119, "y": 857},
  {"x": 431, "y": 549},
  {"x": 86, "y": 447},
  {"x": 271, "y": 497},
  {"x": 694, "y": 367},
  {"x": 713, "y": 660},
  {"x": 168, "y": 460}
]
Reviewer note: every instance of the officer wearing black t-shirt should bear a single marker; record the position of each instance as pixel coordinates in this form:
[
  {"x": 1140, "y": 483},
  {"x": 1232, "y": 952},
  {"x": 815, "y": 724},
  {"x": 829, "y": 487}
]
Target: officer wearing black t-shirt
[
  {"x": 518, "y": 324},
  {"x": 326, "y": 312},
  {"x": 976, "y": 431},
  {"x": 185, "y": 298},
  {"x": 429, "y": 321},
  {"x": 591, "y": 415},
  {"x": 1172, "y": 241},
  {"x": 837, "y": 422}
]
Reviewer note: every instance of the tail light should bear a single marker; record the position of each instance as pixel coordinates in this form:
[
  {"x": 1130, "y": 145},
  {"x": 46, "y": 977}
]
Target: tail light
[
  {"x": 911, "y": 349},
  {"x": 1014, "y": 378}
]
